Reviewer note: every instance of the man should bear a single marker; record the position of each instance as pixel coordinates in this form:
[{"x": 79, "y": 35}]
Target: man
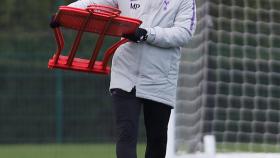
[{"x": 145, "y": 70}]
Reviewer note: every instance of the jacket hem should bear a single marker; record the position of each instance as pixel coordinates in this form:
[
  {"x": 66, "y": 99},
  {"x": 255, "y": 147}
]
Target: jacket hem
[{"x": 155, "y": 98}]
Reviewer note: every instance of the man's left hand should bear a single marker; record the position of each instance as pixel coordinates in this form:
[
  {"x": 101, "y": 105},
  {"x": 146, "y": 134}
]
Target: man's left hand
[{"x": 138, "y": 36}]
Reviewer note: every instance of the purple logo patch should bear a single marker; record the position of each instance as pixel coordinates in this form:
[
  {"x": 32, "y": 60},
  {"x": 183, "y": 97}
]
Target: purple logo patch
[{"x": 165, "y": 4}]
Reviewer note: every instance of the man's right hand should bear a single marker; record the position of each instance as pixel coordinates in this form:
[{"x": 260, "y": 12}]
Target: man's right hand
[{"x": 54, "y": 23}]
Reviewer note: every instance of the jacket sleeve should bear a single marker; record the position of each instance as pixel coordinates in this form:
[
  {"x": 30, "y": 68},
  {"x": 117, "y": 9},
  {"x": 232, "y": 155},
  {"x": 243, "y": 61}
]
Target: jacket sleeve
[
  {"x": 85, "y": 3},
  {"x": 182, "y": 30}
]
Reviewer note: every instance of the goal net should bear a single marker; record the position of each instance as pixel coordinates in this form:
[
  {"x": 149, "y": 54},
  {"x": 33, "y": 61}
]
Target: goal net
[{"x": 229, "y": 83}]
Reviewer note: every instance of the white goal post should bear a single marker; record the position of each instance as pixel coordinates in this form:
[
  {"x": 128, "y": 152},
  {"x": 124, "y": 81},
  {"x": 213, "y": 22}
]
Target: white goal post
[{"x": 229, "y": 83}]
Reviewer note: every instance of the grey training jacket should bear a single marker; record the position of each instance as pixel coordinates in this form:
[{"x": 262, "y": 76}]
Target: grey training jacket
[{"x": 152, "y": 66}]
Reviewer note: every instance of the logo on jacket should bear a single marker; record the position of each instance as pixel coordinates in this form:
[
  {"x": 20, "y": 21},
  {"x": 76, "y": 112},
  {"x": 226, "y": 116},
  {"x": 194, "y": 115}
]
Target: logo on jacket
[
  {"x": 134, "y": 5},
  {"x": 165, "y": 4}
]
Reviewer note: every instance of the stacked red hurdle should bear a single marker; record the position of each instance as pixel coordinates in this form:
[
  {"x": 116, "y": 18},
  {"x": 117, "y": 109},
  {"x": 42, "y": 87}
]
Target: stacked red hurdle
[{"x": 98, "y": 19}]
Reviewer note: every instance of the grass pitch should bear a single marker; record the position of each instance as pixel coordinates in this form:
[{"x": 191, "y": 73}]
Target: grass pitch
[
  {"x": 248, "y": 147},
  {"x": 106, "y": 150},
  {"x": 62, "y": 151}
]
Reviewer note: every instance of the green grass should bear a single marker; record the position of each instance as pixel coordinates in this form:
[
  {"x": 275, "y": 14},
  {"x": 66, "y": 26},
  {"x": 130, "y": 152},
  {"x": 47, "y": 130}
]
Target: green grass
[
  {"x": 245, "y": 147},
  {"x": 104, "y": 150},
  {"x": 62, "y": 151}
]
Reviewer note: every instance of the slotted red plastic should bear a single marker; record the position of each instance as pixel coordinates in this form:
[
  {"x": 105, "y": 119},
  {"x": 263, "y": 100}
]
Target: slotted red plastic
[{"x": 98, "y": 19}]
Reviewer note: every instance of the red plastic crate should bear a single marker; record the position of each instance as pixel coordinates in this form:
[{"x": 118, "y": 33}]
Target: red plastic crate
[{"x": 98, "y": 19}]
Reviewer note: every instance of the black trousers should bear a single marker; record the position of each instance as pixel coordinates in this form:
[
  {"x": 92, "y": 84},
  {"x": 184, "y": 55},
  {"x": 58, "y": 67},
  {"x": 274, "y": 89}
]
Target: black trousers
[{"x": 127, "y": 108}]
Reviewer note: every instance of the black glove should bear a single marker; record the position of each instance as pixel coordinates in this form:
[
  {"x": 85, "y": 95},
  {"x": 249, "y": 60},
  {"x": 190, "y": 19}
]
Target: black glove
[
  {"x": 54, "y": 23},
  {"x": 139, "y": 35}
]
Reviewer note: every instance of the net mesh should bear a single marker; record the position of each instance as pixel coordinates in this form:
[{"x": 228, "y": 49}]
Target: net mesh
[
  {"x": 191, "y": 87},
  {"x": 242, "y": 91}
]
